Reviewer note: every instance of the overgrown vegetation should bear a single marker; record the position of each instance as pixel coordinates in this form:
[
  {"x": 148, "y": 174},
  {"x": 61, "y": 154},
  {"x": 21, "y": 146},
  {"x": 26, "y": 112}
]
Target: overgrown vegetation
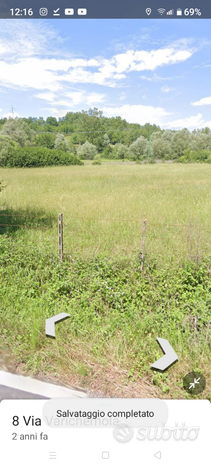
[
  {"x": 89, "y": 133},
  {"x": 39, "y": 157},
  {"x": 202, "y": 155},
  {"x": 116, "y": 313}
]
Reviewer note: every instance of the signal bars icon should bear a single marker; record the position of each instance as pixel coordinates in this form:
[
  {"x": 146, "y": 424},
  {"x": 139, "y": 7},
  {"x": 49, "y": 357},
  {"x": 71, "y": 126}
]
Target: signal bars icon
[{"x": 170, "y": 12}]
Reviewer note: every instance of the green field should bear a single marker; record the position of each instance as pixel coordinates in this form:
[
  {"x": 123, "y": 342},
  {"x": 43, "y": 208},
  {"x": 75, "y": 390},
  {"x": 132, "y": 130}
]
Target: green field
[
  {"x": 103, "y": 207},
  {"x": 116, "y": 309}
]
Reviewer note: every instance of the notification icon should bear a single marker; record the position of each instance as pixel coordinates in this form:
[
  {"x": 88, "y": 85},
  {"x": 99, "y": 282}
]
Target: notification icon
[
  {"x": 82, "y": 11},
  {"x": 43, "y": 11},
  {"x": 69, "y": 11}
]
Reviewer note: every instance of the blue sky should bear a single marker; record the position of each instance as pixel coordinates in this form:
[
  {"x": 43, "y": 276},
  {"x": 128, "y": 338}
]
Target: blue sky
[{"x": 156, "y": 71}]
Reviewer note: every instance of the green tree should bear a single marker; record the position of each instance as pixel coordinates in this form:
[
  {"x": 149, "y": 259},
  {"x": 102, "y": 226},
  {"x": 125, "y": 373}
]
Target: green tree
[
  {"x": 6, "y": 144},
  {"x": 51, "y": 121},
  {"x": 47, "y": 140},
  {"x": 87, "y": 151},
  {"x": 120, "y": 151},
  {"x": 139, "y": 148},
  {"x": 103, "y": 142},
  {"x": 161, "y": 149},
  {"x": 61, "y": 143},
  {"x": 180, "y": 142},
  {"x": 19, "y": 131},
  {"x": 90, "y": 122}
]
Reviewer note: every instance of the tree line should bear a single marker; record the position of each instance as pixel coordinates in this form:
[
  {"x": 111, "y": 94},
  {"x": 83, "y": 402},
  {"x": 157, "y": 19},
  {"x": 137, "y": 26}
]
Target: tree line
[{"x": 89, "y": 135}]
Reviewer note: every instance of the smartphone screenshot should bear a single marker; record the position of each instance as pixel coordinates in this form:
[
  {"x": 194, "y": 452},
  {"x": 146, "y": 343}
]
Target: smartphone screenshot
[{"x": 105, "y": 233}]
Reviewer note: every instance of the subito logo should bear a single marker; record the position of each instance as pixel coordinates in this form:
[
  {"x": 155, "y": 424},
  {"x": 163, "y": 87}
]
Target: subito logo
[{"x": 123, "y": 432}]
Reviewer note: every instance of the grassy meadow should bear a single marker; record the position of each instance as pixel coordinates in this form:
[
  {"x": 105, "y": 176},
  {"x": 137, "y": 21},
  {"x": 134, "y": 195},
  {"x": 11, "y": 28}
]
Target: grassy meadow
[
  {"x": 116, "y": 310},
  {"x": 103, "y": 208}
]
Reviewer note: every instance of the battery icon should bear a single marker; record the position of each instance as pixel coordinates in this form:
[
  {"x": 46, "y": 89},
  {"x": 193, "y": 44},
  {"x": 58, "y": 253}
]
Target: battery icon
[{"x": 179, "y": 12}]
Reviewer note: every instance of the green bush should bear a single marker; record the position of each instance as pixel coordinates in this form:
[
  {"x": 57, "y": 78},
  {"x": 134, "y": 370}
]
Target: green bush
[
  {"x": 139, "y": 148},
  {"x": 46, "y": 140},
  {"x": 87, "y": 151},
  {"x": 38, "y": 157},
  {"x": 96, "y": 161},
  {"x": 6, "y": 145},
  {"x": 201, "y": 155},
  {"x": 120, "y": 151},
  {"x": 107, "y": 153},
  {"x": 195, "y": 156}
]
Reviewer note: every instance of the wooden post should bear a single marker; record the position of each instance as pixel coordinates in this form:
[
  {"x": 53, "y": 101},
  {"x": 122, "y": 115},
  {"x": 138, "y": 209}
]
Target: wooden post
[
  {"x": 143, "y": 243},
  {"x": 60, "y": 236}
]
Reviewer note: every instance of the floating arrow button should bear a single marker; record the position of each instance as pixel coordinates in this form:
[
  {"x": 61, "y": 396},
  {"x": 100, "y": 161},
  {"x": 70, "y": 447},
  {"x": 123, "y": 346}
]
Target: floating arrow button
[
  {"x": 50, "y": 323},
  {"x": 168, "y": 359}
]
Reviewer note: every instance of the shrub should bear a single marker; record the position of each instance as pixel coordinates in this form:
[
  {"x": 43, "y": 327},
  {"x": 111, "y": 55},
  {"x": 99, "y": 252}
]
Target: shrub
[
  {"x": 195, "y": 156},
  {"x": 19, "y": 131},
  {"x": 161, "y": 149},
  {"x": 201, "y": 155},
  {"x": 139, "y": 148},
  {"x": 107, "y": 152},
  {"x": 47, "y": 140},
  {"x": 61, "y": 143},
  {"x": 96, "y": 161},
  {"x": 87, "y": 151},
  {"x": 6, "y": 145},
  {"x": 38, "y": 157},
  {"x": 120, "y": 151}
]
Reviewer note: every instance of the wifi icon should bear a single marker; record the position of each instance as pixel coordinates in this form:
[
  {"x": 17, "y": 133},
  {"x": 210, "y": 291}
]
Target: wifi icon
[{"x": 161, "y": 11}]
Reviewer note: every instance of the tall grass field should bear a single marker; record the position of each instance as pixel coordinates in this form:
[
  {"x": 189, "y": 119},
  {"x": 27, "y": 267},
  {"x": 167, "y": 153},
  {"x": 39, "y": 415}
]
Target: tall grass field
[{"x": 117, "y": 307}]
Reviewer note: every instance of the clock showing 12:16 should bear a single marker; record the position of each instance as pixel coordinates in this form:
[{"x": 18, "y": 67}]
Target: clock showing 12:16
[{"x": 21, "y": 12}]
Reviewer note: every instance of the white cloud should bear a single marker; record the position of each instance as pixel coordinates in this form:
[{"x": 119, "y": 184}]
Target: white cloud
[
  {"x": 147, "y": 78},
  {"x": 143, "y": 114},
  {"x": 122, "y": 96},
  {"x": 27, "y": 74},
  {"x": 11, "y": 115},
  {"x": 46, "y": 96},
  {"x": 149, "y": 60},
  {"x": 36, "y": 60},
  {"x": 138, "y": 113},
  {"x": 51, "y": 74},
  {"x": 194, "y": 121},
  {"x": 32, "y": 39},
  {"x": 31, "y": 58},
  {"x": 167, "y": 89},
  {"x": 156, "y": 77},
  {"x": 73, "y": 98},
  {"x": 207, "y": 124},
  {"x": 203, "y": 102},
  {"x": 53, "y": 112},
  {"x": 92, "y": 98}
]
